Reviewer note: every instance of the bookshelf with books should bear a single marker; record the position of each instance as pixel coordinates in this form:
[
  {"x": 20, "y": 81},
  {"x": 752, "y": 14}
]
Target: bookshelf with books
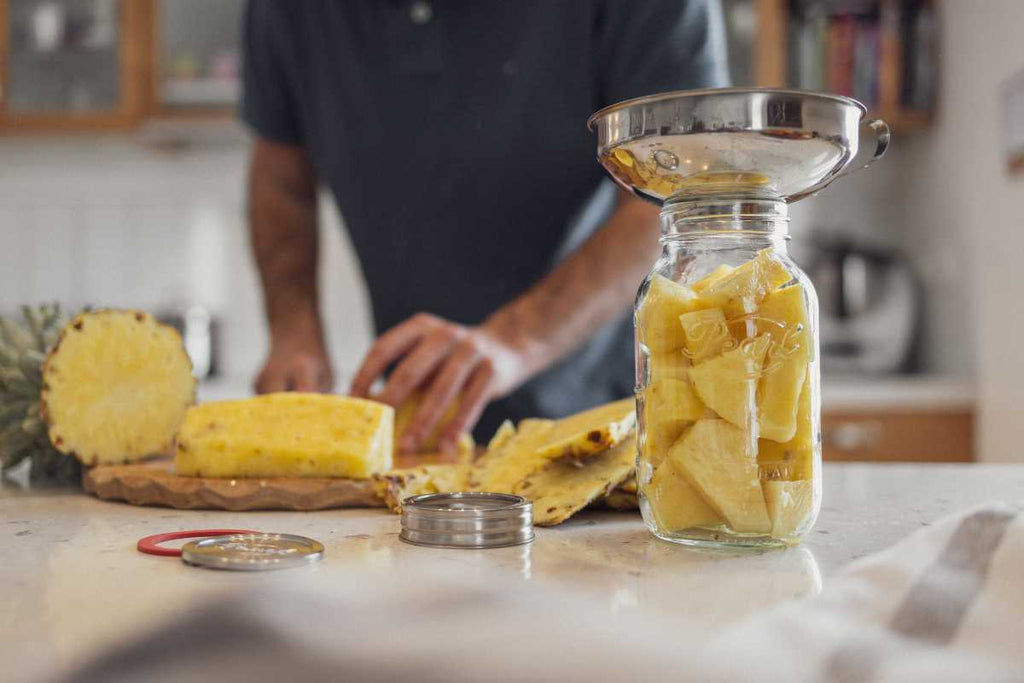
[{"x": 881, "y": 52}]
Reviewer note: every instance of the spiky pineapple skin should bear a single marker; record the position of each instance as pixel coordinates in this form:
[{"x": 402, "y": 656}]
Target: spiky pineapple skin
[
  {"x": 115, "y": 387},
  {"x": 23, "y": 432}
]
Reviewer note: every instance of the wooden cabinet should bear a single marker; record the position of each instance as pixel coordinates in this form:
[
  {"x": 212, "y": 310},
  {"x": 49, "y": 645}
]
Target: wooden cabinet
[
  {"x": 898, "y": 435},
  {"x": 71, "y": 65},
  {"x": 68, "y": 65}
]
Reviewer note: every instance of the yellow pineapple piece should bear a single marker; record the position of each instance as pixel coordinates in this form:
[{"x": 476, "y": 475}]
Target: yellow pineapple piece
[
  {"x": 395, "y": 486},
  {"x": 500, "y": 469},
  {"x": 656, "y": 442},
  {"x": 668, "y": 365},
  {"x": 728, "y": 384},
  {"x": 506, "y": 430},
  {"x": 116, "y": 387},
  {"x": 789, "y": 505},
  {"x": 675, "y": 503},
  {"x": 287, "y": 435},
  {"x": 783, "y": 316},
  {"x": 657, "y": 321},
  {"x": 739, "y": 292},
  {"x": 561, "y": 488},
  {"x": 590, "y": 432},
  {"x": 407, "y": 411},
  {"x": 669, "y": 406},
  {"x": 719, "y": 461},
  {"x": 711, "y": 278},
  {"x": 619, "y": 500},
  {"x": 793, "y": 459},
  {"x": 707, "y": 334}
]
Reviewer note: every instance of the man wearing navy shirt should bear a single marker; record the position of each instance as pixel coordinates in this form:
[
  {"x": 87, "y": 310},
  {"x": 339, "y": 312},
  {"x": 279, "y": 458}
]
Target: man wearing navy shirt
[{"x": 452, "y": 135}]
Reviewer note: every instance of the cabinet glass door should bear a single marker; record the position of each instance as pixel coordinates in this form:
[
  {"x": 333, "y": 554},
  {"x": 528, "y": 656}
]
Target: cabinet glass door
[
  {"x": 198, "y": 60},
  {"x": 63, "y": 57}
]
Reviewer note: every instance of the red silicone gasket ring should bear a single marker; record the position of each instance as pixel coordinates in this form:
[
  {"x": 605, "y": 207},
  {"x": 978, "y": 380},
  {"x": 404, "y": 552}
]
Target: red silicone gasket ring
[{"x": 151, "y": 544}]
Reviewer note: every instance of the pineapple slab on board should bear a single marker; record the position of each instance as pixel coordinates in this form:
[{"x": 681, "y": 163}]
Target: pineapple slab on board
[{"x": 287, "y": 435}]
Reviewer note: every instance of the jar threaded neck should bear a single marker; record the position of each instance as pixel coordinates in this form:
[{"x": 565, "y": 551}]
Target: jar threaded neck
[{"x": 725, "y": 214}]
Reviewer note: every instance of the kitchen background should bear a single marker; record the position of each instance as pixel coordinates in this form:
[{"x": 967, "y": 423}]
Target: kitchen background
[{"x": 122, "y": 183}]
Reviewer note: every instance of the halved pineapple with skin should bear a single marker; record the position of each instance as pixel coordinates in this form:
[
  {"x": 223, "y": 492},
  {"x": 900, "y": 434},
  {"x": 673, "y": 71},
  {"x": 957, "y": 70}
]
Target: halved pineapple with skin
[
  {"x": 116, "y": 387},
  {"x": 727, "y": 384}
]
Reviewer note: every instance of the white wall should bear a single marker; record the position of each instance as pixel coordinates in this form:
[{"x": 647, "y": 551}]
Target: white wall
[
  {"x": 104, "y": 221},
  {"x": 958, "y": 193}
]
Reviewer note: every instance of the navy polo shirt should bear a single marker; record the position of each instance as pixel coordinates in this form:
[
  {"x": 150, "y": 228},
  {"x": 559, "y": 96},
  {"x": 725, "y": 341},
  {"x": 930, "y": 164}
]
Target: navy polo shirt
[{"x": 452, "y": 135}]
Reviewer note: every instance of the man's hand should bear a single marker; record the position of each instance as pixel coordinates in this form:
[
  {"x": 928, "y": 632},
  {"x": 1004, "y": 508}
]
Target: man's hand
[
  {"x": 295, "y": 366},
  {"x": 450, "y": 363},
  {"x": 475, "y": 365}
]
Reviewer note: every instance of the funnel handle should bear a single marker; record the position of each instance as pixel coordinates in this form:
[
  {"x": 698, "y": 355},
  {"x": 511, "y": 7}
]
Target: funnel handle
[{"x": 877, "y": 128}]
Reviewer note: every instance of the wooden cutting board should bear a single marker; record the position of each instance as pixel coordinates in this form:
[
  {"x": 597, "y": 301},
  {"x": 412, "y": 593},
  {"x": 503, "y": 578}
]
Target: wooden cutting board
[{"x": 155, "y": 483}]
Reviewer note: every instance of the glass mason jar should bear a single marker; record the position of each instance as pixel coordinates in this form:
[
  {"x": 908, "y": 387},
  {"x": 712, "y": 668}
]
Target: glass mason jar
[{"x": 727, "y": 379}]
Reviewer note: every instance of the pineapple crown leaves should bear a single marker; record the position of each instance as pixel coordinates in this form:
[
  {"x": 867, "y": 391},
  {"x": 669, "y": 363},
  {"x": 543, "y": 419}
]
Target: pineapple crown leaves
[{"x": 23, "y": 348}]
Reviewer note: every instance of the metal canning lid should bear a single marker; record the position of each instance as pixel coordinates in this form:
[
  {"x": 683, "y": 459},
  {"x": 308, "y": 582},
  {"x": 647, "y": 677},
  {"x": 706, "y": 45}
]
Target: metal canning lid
[
  {"x": 252, "y": 552},
  {"x": 467, "y": 520}
]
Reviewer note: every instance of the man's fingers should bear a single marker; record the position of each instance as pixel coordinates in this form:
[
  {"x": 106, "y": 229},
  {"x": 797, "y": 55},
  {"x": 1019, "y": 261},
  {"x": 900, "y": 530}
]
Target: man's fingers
[
  {"x": 271, "y": 379},
  {"x": 306, "y": 375},
  {"x": 443, "y": 390},
  {"x": 388, "y": 348},
  {"x": 418, "y": 365},
  {"x": 474, "y": 399}
]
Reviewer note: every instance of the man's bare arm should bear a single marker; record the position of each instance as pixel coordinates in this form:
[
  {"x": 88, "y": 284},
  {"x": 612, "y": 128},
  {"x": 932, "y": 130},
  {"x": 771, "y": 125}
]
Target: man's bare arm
[
  {"x": 475, "y": 365},
  {"x": 282, "y": 214},
  {"x": 586, "y": 290}
]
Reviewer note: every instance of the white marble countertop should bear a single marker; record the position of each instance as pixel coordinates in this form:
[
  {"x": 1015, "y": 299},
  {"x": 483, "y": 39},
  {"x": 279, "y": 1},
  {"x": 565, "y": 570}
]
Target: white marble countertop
[{"x": 73, "y": 583}]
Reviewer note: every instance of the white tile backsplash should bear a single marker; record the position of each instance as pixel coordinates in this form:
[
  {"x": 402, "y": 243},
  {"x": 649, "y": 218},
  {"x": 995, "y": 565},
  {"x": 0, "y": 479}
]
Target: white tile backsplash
[{"x": 106, "y": 222}]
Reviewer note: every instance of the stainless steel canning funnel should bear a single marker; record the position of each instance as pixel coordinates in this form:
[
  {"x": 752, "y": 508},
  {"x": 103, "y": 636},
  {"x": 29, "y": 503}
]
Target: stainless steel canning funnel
[{"x": 777, "y": 144}]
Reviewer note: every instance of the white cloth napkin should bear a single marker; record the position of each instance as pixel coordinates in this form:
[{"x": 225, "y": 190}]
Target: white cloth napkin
[{"x": 945, "y": 604}]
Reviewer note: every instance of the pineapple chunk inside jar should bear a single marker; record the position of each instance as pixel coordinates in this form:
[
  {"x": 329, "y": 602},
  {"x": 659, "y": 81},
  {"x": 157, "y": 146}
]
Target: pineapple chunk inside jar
[{"x": 727, "y": 395}]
